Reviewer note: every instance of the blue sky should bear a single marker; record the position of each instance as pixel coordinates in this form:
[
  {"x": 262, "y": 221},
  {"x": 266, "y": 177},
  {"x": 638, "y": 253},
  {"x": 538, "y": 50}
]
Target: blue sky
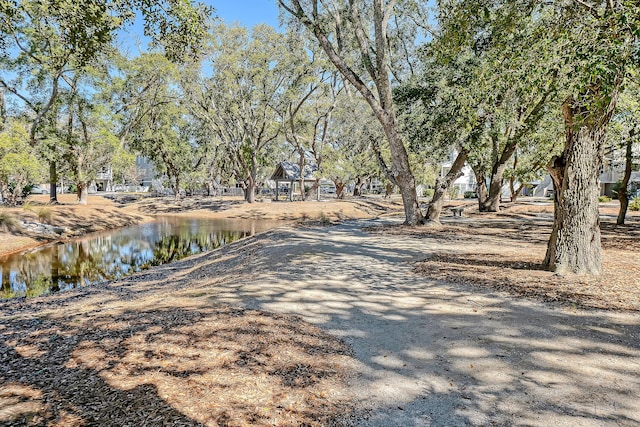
[{"x": 246, "y": 12}]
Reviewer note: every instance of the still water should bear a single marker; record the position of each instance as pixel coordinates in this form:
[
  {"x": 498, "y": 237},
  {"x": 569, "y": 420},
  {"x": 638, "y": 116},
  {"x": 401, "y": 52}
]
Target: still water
[{"x": 116, "y": 253}]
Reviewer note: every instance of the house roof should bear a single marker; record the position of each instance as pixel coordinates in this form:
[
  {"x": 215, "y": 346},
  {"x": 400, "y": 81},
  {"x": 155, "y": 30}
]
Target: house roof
[{"x": 289, "y": 171}]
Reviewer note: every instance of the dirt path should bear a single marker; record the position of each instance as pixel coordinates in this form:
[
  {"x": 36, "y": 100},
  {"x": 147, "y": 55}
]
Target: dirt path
[
  {"x": 424, "y": 352},
  {"x": 435, "y": 354}
]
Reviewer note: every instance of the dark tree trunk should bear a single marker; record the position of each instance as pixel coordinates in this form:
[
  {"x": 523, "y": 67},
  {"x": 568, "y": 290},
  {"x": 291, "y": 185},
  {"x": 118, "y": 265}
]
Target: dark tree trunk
[
  {"x": 623, "y": 195},
  {"x": 3, "y": 110},
  {"x": 574, "y": 245},
  {"x": 53, "y": 182},
  {"x": 6, "y": 281},
  {"x": 481, "y": 185},
  {"x": 357, "y": 187},
  {"x": 442, "y": 186},
  {"x": 301, "y": 164}
]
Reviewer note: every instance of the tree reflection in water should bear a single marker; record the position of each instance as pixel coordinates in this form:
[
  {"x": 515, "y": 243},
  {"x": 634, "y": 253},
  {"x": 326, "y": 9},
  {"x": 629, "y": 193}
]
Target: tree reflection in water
[{"x": 109, "y": 256}]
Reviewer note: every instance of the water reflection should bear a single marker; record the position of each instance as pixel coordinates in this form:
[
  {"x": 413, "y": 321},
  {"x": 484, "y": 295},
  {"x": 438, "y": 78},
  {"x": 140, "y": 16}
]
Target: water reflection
[{"x": 114, "y": 254}]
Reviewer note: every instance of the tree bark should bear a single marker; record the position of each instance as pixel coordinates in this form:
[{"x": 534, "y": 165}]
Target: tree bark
[
  {"x": 250, "y": 191},
  {"x": 3, "y": 110},
  {"x": 339, "y": 188},
  {"x": 357, "y": 186},
  {"x": 574, "y": 245},
  {"x": 442, "y": 186},
  {"x": 481, "y": 185},
  {"x": 492, "y": 203},
  {"x": 53, "y": 182},
  {"x": 376, "y": 62},
  {"x": 623, "y": 195},
  {"x": 83, "y": 192}
]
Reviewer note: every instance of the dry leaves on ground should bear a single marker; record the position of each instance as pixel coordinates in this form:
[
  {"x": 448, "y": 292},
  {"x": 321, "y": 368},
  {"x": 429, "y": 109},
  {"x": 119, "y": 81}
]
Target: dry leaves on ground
[
  {"x": 175, "y": 366},
  {"x": 506, "y": 254}
]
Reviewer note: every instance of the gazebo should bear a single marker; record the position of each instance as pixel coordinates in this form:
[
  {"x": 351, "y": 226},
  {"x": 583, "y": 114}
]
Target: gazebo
[{"x": 289, "y": 172}]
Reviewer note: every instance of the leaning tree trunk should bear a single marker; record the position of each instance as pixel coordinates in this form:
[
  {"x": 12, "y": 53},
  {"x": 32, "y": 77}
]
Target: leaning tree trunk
[
  {"x": 492, "y": 203},
  {"x": 574, "y": 245},
  {"x": 443, "y": 184},
  {"x": 623, "y": 194}
]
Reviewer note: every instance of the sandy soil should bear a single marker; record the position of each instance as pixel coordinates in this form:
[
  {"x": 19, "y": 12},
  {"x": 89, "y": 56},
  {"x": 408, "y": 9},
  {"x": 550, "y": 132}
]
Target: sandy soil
[{"x": 362, "y": 323}]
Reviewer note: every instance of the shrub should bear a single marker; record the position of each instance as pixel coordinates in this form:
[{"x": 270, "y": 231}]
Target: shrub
[
  {"x": 427, "y": 192},
  {"x": 634, "y": 205},
  {"x": 8, "y": 222},
  {"x": 470, "y": 195},
  {"x": 604, "y": 199}
]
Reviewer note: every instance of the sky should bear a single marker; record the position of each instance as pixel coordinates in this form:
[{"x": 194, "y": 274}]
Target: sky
[{"x": 246, "y": 12}]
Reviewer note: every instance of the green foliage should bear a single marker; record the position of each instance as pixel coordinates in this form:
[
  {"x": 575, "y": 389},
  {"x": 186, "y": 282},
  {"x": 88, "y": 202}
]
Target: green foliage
[
  {"x": 634, "y": 204},
  {"x": 470, "y": 194},
  {"x": 604, "y": 199},
  {"x": 19, "y": 165},
  {"x": 427, "y": 192}
]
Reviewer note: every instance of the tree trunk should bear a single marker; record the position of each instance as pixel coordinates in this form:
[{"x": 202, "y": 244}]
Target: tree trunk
[
  {"x": 83, "y": 192},
  {"x": 176, "y": 187},
  {"x": 6, "y": 281},
  {"x": 515, "y": 192},
  {"x": 574, "y": 245},
  {"x": 339, "y": 188},
  {"x": 481, "y": 185},
  {"x": 492, "y": 203},
  {"x": 3, "y": 110},
  {"x": 388, "y": 190},
  {"x": 53, "y": 182},
  {"x": 623, "y": 195},
  {"x": 403, "y": 176},
  {"x": 357, "y": 186},
  {"x": 442, "y": 186},
  {"x": 250, "y": 190}
]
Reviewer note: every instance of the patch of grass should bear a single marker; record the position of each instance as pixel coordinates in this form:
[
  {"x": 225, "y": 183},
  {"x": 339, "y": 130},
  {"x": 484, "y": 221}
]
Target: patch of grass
[
  {"x": 324, "y": 219},
  {"x": 28, "y": 206},
  {"x": 45, "y": 215},
  {"x": 8, "y": 222},
  {"x": 604, "y": 199}
]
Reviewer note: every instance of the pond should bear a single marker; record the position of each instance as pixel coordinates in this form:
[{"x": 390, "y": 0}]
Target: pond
[{"x": 117, "y": 253}]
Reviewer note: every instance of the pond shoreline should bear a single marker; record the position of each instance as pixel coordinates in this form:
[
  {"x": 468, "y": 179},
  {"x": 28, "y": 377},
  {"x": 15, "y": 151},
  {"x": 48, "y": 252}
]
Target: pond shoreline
[{"x": 103, "y": 213}]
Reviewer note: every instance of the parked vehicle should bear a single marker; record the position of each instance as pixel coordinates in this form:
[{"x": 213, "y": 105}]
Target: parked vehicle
[{"x": 36, "y": 189}]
